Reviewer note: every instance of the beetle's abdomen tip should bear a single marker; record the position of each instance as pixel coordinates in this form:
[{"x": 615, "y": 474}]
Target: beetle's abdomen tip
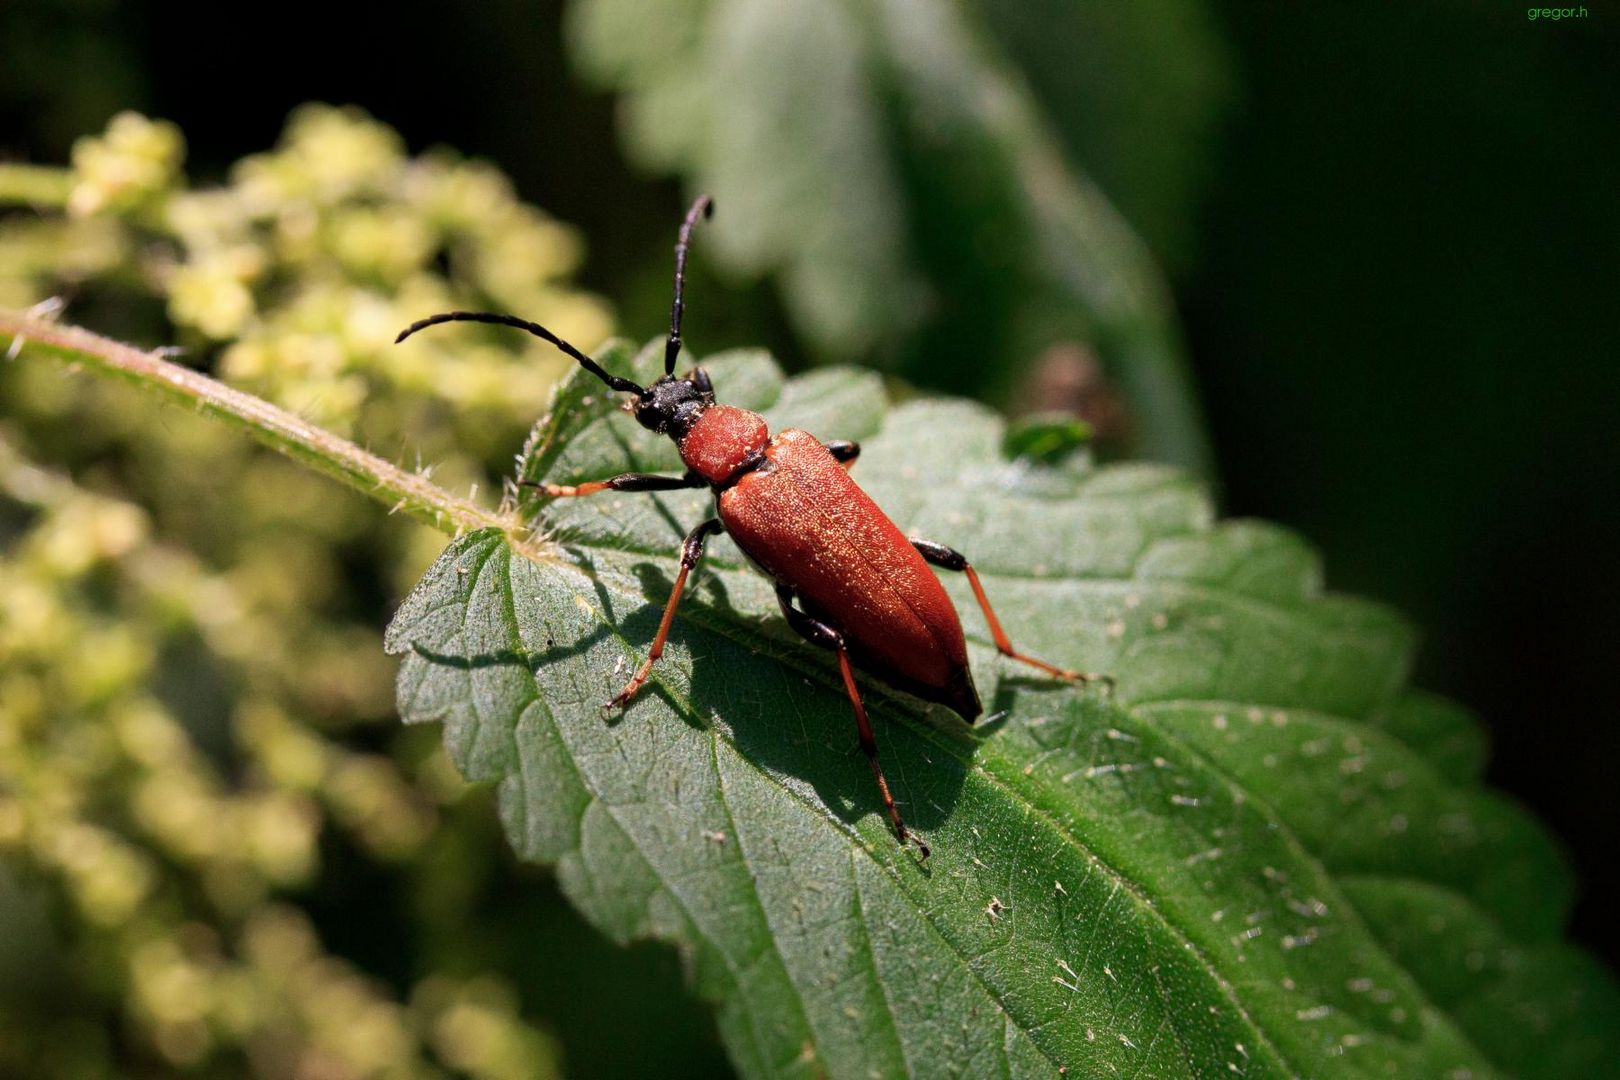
[{"x": 961, "y": 696}]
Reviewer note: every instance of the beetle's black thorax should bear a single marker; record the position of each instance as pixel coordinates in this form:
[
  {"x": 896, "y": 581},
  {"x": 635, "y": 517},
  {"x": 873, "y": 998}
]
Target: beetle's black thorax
[{"x": 671, "y": 406}]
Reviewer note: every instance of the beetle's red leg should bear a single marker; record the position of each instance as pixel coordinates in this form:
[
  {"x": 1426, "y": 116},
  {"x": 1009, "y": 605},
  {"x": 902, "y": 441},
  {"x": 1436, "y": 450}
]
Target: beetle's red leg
[
  {"x": 691, "y": 552},
  {"x": 869, "y": 748},
  {"x": 821, "y": 634},
  {"x": 630, "y": 481},
  {"x": 951, "y": 559},
  {"x": 844, "y": 452}
]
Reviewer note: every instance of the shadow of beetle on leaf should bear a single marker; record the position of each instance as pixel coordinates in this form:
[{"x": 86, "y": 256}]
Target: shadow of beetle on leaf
[
  {"x": 736, "y": 675},
  {"x": 782, "y": 703}
]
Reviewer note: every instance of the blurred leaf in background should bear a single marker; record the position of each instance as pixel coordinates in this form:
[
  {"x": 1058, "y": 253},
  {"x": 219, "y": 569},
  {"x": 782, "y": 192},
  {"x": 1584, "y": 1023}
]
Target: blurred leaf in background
[
  {"x": 896, "y": 174},
  {"x": 1137, "y": 93}
]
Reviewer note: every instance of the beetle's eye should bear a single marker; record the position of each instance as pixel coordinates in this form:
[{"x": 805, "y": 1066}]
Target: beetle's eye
[{"x": 649, "y": 415}]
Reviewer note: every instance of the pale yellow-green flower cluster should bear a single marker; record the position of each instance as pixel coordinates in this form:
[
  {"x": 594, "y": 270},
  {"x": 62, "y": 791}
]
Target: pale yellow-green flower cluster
[
  {"x": 298, "y": 273},
  {"x": 194, "y": 702},
  {"x": 174, "y": 862},
  {"x": 135, "y": 162}
]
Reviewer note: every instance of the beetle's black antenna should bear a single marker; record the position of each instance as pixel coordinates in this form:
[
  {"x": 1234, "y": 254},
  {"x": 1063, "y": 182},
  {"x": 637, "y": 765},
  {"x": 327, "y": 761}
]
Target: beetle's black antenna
[
  {"x": 536, "y": 329},
  {"x": 704, "y": 207}
]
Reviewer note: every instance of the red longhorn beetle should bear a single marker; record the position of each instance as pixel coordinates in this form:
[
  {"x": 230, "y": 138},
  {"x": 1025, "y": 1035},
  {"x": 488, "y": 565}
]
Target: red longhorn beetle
[{"x": 863, "y": 588}]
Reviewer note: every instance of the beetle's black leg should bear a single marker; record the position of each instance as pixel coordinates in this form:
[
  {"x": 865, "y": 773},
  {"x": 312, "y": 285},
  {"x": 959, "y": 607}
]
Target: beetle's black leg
[
  {"x": 691, "y": 552},
  {"x": 808, "y": 627},
  {"x": 827, "y": 637},
  {"x": 951, "y": 559},
  {"x": 700, "y": 379},
  {"x": 630, "y": 481},
  {"x": 844, "y": 452}
]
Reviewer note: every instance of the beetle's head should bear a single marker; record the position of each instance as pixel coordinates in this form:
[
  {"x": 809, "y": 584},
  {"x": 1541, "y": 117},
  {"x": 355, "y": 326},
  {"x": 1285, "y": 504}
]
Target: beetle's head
[{"x": 670, "y": 406}]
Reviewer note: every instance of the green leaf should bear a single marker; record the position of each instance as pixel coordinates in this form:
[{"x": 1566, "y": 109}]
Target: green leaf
[
  {"x": 1136, "y": 92},
  {"x": 1263, "y": 856},
  {"x": 899, "y": 180}
]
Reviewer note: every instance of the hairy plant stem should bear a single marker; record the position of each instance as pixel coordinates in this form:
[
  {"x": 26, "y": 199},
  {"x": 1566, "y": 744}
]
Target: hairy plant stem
[
  {"x": 35, "y": 185},
  {"x": 273, "y": 426}
]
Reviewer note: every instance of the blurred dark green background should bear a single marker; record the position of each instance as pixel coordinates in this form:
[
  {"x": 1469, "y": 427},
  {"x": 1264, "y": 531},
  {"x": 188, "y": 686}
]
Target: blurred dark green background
[{"x": 1394, "y": 241}]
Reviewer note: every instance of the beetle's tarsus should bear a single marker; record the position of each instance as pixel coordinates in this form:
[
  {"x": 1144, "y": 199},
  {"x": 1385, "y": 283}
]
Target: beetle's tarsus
[
  {"x": 628, "y": 694},
  {"x": 1105, "y": 683},
  {"x": 557, "y": 491},
  {"x": 1086, "y": 678}
]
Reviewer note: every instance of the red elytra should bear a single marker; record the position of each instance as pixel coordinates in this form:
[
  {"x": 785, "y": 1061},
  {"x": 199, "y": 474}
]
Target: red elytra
[
  {"x": 810, "y": 526},
  {"x": 846, "y": 577}
]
